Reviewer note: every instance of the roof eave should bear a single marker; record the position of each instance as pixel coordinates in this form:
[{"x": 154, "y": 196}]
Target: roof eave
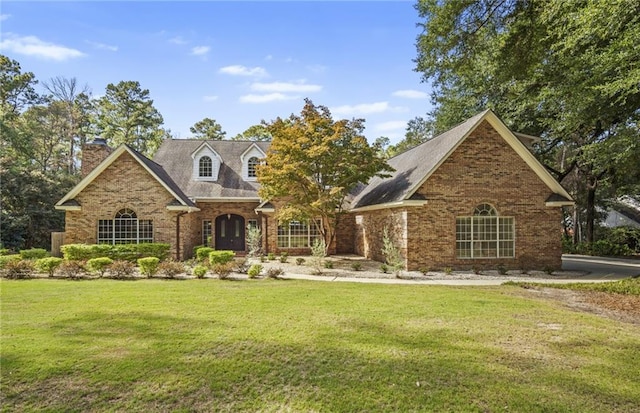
[
  {"x": 387, "y": 205},
  {"x": 182, "y": 208}
]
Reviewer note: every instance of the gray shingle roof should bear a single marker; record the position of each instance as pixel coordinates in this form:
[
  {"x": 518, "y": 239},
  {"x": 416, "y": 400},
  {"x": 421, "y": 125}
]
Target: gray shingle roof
[
  {"x": 175, "y": 157},
  {"x": 412, "y": 166}
]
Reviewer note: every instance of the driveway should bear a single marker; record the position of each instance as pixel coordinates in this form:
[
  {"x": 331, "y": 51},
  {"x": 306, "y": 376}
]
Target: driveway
[{"x": 600, "y": 268}]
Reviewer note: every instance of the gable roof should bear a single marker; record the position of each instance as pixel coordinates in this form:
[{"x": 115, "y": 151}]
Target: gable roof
[
  {"x": 181, "y": 202},
  {"x": 415, "y": 166},
  {"x": 173, "y": 154}
]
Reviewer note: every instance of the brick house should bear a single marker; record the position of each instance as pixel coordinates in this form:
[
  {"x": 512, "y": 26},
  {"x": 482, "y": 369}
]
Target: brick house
[{"x": 474, "y": 196}]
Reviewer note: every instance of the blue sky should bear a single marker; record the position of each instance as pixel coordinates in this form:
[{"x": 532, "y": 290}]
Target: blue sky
[{"x": 235, "y": 62}]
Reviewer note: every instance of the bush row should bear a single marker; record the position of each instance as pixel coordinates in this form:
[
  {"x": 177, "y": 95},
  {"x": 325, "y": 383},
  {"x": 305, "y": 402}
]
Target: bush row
[{"x": 122, "y": 252}]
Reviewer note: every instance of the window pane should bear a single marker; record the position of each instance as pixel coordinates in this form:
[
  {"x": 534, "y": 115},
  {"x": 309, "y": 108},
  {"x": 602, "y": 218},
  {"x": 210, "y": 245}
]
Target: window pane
[{"x": 206, "y": 232}]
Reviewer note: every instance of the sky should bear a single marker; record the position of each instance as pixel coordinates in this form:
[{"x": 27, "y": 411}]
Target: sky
[{"x": 236, "y": 62}]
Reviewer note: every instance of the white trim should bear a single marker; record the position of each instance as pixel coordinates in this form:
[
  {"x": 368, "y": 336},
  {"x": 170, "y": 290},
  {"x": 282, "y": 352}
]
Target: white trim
[
  {"x": 182, "y": 208},
  {"x": 103, "y": 166},
  {"x": 406, "y": 203},
  {"x": 226, "y": 199},
  {"x": 265, "y": 210},
  {"x": 515, "y": 144},
  {"x": 559, "y": 203},
  {"x": 253, "y": 151},
  {"x": 216, "y": 162},
  {"x": 252, "y": 146},
  {"x": 68, "y": 207}
]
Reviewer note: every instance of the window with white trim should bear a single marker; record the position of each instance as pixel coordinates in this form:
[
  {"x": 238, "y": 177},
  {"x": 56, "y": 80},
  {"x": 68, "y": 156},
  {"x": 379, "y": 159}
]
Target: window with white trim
[
  {"x": 205, "y": 167},
  {"x": 206, "y": 232},
  {"x": 251, "y": 167},
  {"x": 298, "y": 234},
  {"x": 125, "y": 228},
  {"x": 485, "y": 234}
]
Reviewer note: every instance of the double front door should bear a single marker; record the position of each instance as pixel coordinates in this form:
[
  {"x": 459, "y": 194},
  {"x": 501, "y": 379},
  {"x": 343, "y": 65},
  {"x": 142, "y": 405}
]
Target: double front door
[{"x": 230, "y": 232}]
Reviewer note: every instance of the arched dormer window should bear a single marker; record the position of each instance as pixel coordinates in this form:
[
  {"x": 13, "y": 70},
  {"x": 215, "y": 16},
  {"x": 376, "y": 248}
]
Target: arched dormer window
[
  {"x": 485, "y": 234},
  {"x": 125, "y": 228},
  {"x": 205, "y": 167},
  {"x": 251, "y": 167}
]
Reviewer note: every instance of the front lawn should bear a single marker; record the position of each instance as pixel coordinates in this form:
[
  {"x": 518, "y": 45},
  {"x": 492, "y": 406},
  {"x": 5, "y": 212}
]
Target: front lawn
[{"x": 210, "y": 345}]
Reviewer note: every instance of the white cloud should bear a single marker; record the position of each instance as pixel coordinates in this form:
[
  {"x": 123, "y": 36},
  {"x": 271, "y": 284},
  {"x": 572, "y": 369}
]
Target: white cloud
[
  {"x": 410, "y": 94},
  {"x": 366, "y": 109},
  {"x": 33, "y": 46},
  {"x": 200, "y": 50},
  {"x": 178, "y": 40},
  {"x": 391, "y": 125},
  {"x": 270, "y": 97},
  {"x": 239, "y": 70},
  {"x": 209, "y": 98},
  {"x": 4, "y": 17},
  {"x": 268, "y": 57},
  {"x": 102, "y": 46},
  {"x": 285, "y": 87}
]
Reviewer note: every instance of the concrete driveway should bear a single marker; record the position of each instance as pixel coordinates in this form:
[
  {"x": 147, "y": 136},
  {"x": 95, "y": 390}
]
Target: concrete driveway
[{"x": 600, "y": 268}]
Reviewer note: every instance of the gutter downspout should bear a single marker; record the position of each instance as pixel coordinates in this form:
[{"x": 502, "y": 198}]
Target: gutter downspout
[{"x": 178, "y": 234}]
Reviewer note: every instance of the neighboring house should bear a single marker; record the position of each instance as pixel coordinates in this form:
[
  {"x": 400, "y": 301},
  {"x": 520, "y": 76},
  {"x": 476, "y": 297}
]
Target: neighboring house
[
  {"x": 624, "y": 211},
  {"x": 474, "y": 196}
]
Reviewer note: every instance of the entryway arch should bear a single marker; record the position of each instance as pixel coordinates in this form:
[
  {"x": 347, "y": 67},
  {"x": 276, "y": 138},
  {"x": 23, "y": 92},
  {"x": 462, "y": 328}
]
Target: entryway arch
[{"x": 230, "y": 232}]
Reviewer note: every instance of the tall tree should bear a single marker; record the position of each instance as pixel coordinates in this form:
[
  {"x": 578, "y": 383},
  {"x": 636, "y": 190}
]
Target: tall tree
[
  {"x": 418, "y": 130},
  {"x": 313, "y": 163},
  {"x": 566, "y": 71},
  {"x": 254, "y": 133},
  {"x": 125, "y": 114},
  {"x": 208, "y": 128}
]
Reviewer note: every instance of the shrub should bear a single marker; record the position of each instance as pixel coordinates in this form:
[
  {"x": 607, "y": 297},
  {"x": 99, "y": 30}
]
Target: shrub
[
  {"x": 384, "y": 268},
  {"x": 222, "y": 270},
  {"x": 283, "y": 258},
  {"x": 271, "y": 256},
  {"x": 263, "y": 258},
  {"x": 424, "y": 270},
  {"x": 148, "y": 265},
  {"x": 391, "y": 253},
  {"x": 82, "y": 252},
  {"x": 170, "y": 268},
  {"x": 34, "y": 254},
  {"x": 221, "y": 257},
  {"x": 18, "y": 270},
  {"x": 254, "y": 241},
  {"x": 318, "y": 252},
  {"x": 200, "y": 271},
  {"x": 299, "y": 261},
  {"x": 129, "y": 252},
  {"x": 5, "y": 259},
  {"x": 476, "y": 270},
  {"x": 203, "y": 253},
  {"x": 71, "y": 269},
  {"x": 502, "y": 270},
  {"x": 254, "y": 271},
  {"x": 328, "y": 265},
  {"x": 274, "y": 272},
  {"x": 241, "y": 265},
  {"x": 99, "y": 265},
  {"x": 448, "y": 270},
  {"x": 356, "y": 266},
  {"x": 48, "y": 265},
  {"x": 122, "y": 269},
  {"x": 5, "y": 251},
  {"x": 152, "y": 249}
]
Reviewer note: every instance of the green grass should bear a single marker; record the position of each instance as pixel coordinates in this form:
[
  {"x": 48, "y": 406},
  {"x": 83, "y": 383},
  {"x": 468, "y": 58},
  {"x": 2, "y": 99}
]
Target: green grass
[
  {"x": 627, "y": 286},
  {"x": 209, "y": 345}
]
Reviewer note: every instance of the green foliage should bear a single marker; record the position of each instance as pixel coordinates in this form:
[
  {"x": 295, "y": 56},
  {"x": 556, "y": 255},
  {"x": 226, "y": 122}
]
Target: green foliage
[
  {"x": 254, "y": 133},
  {"x": 48, "y": 265},
  {"x": 127, "y": 252},
  {"x": 99, "y": 265},
  {"x": 314, "y": 162},
  {"x": 424, "y": 270},
  {"x": 148, "y": 266},
  {"x": 391, "y": 253},
  {"x": 318, "y": 253},
  {"x": 328, "y": 265},
  {"x": 254, "y": 270},
  {"x": 199, "y": 271},
  {"x": 628, "y": 286},
  {"x": 356, "y": 266},
  {"x": 275, "y": 272},
  {"x": 502, "y": 270},
  {"x": 5, "y": 259},
  {"x": 33, "y": 253},
  {"x": 241, "y": 265},
  {"x": 18, "y": 269},
  {"x": 122, "y": 270},
  {"x": 221, "y": 257},
  {"x": 271, "y": 256},
  {"x": 284, "y": 257},
  {"x": 208, "y": 128},
  {"x": 384, "y": 268},
  {"x": 448, "y": 270},
  {"x": 202, "y": 253},
  {"x": 299, "y": 261},
  {"x": 170, "y": 268},
  {"x": 603, "y": 248},
  {"x": 5, "y": 251}
]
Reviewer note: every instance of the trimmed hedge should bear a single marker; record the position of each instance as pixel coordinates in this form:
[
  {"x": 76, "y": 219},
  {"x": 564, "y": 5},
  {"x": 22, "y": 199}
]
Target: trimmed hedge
[
  {"x": 48, "y": 265},
  {"x": 221, "y": 257},
  {"x": 4, "y": 259},
  {"x": 202, "y": 253},
  {"x": 148, "y": 265},
  {"x": 126, "y": 252},
  {"x": 34, "y": 254}
]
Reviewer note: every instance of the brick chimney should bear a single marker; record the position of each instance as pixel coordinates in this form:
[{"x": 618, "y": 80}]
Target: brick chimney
[{"x": 92, "y": 154}]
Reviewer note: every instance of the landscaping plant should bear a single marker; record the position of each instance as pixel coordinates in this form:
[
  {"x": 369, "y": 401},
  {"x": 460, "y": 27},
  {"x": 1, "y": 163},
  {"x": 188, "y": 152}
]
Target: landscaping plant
[{"x": 99, "y": 265}]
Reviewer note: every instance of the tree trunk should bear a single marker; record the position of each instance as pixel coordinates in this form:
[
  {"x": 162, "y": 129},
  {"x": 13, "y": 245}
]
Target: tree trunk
[{"x": 592, "y": 184}]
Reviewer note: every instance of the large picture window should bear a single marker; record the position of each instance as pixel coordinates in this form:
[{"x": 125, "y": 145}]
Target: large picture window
[
  {"x": 485, "y": 234},
  {"x": 298, "y": 234},
  {"x": 125, "y": 228}
]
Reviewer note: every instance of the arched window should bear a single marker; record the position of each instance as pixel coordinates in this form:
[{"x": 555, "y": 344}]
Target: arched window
[
  {"x": 251, "y": 167},
  {"x": 485, "y": 234},
  {"x": 205, "y": 167},
  {"x": 125, "y": 228}
]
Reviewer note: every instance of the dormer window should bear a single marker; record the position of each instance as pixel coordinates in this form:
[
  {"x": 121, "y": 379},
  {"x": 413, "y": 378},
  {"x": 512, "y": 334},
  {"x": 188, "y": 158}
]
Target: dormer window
[
  {"x": 205, "y": 167},
  {"x": 206, "y": 163},
  {"x": 251, "y": 167}
]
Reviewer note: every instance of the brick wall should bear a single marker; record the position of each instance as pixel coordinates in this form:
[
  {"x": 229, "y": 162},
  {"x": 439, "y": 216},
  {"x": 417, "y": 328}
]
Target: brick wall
[
  {"x": 124, "y": 184},
  {"x": 483, "y": 169},
  {"x": 370, "y": 229},
  {"x": 92, "y": 154}
]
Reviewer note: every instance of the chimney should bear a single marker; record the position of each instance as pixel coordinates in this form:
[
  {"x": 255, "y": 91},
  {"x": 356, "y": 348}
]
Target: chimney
[{"x": 92, "y": 154}]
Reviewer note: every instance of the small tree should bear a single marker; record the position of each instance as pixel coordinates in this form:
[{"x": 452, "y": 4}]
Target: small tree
[
  {"x": 254, "y": 241},
  {"x": 318, "y": 252},
  {"x": 314, "y": 162},
  {"x": 391, "y": 253}
]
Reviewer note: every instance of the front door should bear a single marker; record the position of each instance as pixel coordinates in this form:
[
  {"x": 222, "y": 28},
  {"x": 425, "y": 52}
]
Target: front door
[{"x": 230, "y": 232}]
